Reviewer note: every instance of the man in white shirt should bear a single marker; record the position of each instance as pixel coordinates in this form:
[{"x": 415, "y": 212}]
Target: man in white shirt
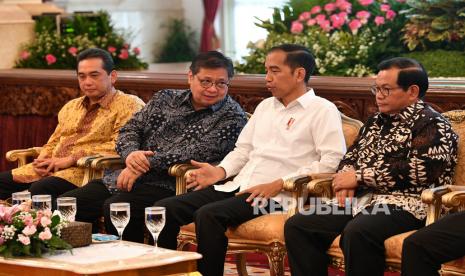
[{"x": 294, "y": 132}]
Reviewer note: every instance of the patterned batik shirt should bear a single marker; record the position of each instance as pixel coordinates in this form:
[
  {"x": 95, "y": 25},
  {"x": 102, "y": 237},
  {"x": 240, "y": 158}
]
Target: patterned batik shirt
[
  {"x": 397, "y": 157},
  {"x": 84, "y": 129},
  {"x": 170, "y": 127}
]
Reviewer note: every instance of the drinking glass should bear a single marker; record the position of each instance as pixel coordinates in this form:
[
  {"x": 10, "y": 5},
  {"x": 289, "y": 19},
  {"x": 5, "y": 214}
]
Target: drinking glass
[
  {"x": 120, "y": 213},
  {"x": 42, "y": 202},
  {"x": 155, "y": 221},
  {"x": 20, "y": 197},
  {"x": 67, "y": 208}
]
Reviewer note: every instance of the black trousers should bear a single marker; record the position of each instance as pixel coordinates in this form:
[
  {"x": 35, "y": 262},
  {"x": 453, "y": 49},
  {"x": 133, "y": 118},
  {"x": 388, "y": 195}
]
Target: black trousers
[
  {"x": 424, "y": 251},
  {"x": 93, "y": 200},
  {"x": 50, "y": 185},
  {"x": 308, "y": 237},
  {"x": 213, "y": 212}
]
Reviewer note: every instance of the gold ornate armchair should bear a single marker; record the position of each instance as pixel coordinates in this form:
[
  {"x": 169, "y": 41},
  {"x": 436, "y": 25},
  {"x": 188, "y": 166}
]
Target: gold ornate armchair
[
  {"x": 433, "y": 197},
  {"x": 264, "y": 234},
  {"x": 22, "y": 156}
]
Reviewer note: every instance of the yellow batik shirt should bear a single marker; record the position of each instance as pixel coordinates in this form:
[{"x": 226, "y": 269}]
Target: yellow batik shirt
[{"x": 84, "y": 130}]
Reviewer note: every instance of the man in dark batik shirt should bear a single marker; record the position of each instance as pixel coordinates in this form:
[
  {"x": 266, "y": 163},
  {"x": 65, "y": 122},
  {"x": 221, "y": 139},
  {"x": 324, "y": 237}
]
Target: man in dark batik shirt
[
  {"x": 404, "y": 149},
  {"x": 174, "y": 127}
]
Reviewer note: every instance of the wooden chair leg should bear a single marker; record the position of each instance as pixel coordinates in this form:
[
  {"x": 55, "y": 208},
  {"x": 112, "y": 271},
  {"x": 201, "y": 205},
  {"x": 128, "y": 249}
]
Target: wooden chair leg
[
  {"x": 241, "y": 264},
  {"x": 276, "y": 261}
]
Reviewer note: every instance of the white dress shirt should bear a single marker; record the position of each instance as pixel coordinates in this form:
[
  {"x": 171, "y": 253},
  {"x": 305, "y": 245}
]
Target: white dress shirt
[{"x": 285, "y": 141}]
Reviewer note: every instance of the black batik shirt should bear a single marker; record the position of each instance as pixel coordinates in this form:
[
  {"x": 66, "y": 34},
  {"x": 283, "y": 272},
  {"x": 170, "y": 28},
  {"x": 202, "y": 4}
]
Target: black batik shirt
[{"x": 169, "y": 126}]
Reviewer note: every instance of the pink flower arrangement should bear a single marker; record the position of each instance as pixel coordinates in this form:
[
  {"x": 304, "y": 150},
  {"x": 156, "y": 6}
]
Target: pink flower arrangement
[
  {"x": 25, "y": 55},
  {"x": 111, "y": 49},
  {"x": 50, "y": 59},
  {"x": 136, "y": 51},
  {"x": 124, "y": 54},
  {"x": 338, "y": 15},
  {"x": 73, "y": 50},
  {"x": 29, "y": 232}
]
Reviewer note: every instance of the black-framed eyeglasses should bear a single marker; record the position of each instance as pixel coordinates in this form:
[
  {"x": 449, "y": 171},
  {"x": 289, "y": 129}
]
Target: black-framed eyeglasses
[
  {"x": 206, "y": 83},
  {"x": 385, "y": 91}
]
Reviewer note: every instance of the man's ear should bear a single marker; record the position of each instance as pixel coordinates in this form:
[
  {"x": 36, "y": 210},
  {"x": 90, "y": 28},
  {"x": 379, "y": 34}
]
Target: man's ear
[
  {"x": 114, "y": 77},
  {"x": 414, "y": 92},
  {"x": 190, "y": 76},
  {"x": 300, "y": 73}
]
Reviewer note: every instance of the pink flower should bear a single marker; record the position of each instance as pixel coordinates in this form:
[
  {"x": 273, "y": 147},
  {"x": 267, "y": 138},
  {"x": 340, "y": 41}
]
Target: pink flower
[
  {"x": 45, "y": 221},
  {"x": 126, "y": 46},
  {"x": 363, "y": 16},
  {"x": 304, "y": 16},
  {"x": 315, "y": 9},
  {"x": 73, "y": 51},
  {"x": 344, "y": 5},
  {"x": 390, "y": 14},
  {"x": 25, "y": 55},
  {"x": 29, "y": 230},
  {"x": 136, "y": 51},
  {"x": 24, "y": 239},
  {"x": 311, "y": 22},
  {"x": 124, "y": 54},
  {"x": 319, "y": 18},
  {"x": 28, "y": 220},
  {"x": 330, "y": 7},
  {"x": 297, "y": 27},
  {"x": 337, "y": 21},
  {"x": 354, "y": 25},
  {"x": 1, "y": 240},
  {"x": 385, "y": 7},
  {"x": 51, "y": 59},
  {"x": 379, "y": 20},
  {"x": 46, "y": 234},
  {"x": 325, "y": 25},
  {"x": 365, "y": 2},
  {"x": 111, "y": 49}
]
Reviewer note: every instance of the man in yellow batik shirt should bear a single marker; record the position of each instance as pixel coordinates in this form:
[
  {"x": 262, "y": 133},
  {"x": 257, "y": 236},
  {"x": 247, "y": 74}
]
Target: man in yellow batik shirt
[{"x": 87, "y": 125}]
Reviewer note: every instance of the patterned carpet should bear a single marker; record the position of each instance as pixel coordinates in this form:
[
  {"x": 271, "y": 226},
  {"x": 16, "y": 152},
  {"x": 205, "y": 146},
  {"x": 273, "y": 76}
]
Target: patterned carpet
[{"x": 257, "y": 265}]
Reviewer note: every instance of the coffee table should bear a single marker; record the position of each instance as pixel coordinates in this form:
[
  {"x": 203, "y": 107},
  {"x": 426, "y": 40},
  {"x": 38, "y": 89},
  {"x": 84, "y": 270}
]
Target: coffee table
[{"x": 114, "y": 258}]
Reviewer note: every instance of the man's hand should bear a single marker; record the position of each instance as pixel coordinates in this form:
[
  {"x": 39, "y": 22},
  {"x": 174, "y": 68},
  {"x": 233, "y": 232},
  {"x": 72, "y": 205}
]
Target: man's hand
[
  {"x": 40, "y": 170},
  {"x": 263, "y": 191},
  {"x": 344, "y": 180},
  {"x": 344, "y": 194},
  {"x": 126, "y": 180},
  {"x": 138, "y": 162},
  {"x": 204, "y": 176},
  {"x": 54, "y": 164}
]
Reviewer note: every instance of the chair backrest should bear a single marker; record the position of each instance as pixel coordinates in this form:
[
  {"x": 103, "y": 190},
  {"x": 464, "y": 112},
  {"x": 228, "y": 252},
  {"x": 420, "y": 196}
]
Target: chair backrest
[
  {"x": 350, "y": 128},
  {"x": 457, "y": 120}
]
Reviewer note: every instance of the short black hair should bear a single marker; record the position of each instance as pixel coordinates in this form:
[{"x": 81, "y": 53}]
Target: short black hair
[
  {"x": 212, "y": 60},
  {"x": 107, "y": 60},
  {"x": 411, "y": 73},
  {"x": 297, "y": 56}
]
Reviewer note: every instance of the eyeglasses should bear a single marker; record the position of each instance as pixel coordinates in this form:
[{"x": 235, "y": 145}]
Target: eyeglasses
[
  {"x": 385, "y": 91},
  {"x": 205, "y": 83}
]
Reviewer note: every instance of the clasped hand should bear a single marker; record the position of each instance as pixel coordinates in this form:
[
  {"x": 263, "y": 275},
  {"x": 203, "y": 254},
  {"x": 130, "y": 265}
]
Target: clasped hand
[
  {"x": 45, "y": 166},
  {"x": 344, "y": 185}
]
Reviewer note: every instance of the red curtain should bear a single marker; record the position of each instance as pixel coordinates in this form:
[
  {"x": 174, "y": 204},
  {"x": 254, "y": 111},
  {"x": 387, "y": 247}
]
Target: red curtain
[{"x": 209, "y": 41}]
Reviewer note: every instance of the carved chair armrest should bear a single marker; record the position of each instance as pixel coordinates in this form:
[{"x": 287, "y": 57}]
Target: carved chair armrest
[
  {"x": 179, "y": 171},
  {"x": 433, "y": 197},
  {"x": 21, "y": 155},
  {"x": 107, "y": 162},
  {"x": 321, "y": 187},
  {"x": 454, "y": 199},
  {"x": 85, "y": 163},
  {"x": 298, "y": 187}
]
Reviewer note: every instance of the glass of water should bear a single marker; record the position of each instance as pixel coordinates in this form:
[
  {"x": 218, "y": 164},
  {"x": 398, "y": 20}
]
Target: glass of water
[
  {"x": 67, "y": 208},
  {"x": 20, "y": 197},
  {"x": 155, "y": 221},
  {"x": 120, "y": 213},
  {"x": 42, "y": 202}
]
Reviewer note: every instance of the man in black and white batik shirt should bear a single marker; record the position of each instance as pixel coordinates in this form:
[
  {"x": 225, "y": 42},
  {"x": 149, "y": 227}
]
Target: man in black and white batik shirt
[{"x": 404, "y": 149}]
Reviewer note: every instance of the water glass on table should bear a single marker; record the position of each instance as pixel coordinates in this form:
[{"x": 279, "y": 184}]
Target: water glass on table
[
  {"x": 120, "y": 214},
  {"x": 155, "y": 221},
  {"x": 67, "y": 208},
  {"x": 42, "y": 202},
  {"x": 20, "y": 197}
]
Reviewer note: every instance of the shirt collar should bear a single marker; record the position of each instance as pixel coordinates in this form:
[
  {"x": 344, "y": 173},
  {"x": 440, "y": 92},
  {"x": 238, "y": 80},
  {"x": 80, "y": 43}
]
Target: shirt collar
[
  {"x": 187, "y": 99},
  {"x": 303, "y": 100},
  {"x": 104, "y": 102},
  {"x": 405, "y": 114}
]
